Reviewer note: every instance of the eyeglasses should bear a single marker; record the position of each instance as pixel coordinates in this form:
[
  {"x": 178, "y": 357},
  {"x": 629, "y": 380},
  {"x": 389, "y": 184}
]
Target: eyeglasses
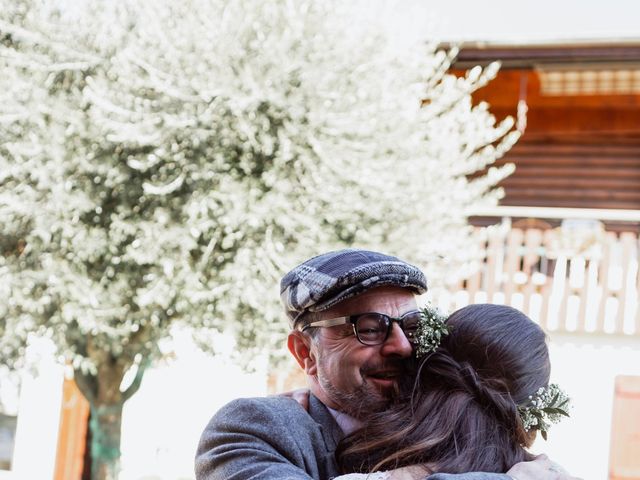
[{"x": 374, "y": 328}]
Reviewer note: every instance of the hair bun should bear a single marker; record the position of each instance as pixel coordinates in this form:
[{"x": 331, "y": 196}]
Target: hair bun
[{"x": 493, "y": 395}]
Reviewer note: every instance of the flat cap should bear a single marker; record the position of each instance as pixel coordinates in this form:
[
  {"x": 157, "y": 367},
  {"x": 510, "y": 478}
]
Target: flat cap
[{"x": 325, "y": 280}]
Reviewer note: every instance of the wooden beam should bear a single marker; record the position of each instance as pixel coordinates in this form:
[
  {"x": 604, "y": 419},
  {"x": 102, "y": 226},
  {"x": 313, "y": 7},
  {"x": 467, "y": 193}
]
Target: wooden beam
[
  {"x": 533, "y": 56},
  {"x": 512, "y": 85},
  {"x": 72, "y": 433},
  {"x": 559, "y": 213},
  {"x": 576, "y": 120}
]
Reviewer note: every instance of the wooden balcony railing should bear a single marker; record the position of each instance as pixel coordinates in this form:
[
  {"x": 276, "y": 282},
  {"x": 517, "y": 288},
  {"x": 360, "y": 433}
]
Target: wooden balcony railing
[{"x": 568, "y": 280}]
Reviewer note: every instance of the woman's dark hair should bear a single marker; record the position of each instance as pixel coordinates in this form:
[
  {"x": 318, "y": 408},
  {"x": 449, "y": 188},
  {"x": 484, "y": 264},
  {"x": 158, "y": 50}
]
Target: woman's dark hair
[{"x": 459, "y": 411}]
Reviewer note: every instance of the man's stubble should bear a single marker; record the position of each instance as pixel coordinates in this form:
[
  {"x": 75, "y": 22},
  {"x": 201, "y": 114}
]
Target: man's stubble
[{"x": 362, "y": 400}]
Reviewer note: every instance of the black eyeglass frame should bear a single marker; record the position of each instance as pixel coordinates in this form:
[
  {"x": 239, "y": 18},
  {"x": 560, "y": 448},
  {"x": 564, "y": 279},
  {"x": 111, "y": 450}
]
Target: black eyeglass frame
[{"x": 353, "y": 320}]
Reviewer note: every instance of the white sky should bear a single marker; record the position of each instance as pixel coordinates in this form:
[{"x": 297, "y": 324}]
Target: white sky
[
  {"x": 535, "y": 20},
  {"x": 512, "y": 21}
]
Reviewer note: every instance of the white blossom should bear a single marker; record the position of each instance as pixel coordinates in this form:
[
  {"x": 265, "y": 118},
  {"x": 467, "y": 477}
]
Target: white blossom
[{"x": 165, "y": 161}]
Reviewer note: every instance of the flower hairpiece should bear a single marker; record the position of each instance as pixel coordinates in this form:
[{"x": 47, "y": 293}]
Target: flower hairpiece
[
  {"x": 431, "y": 329},
  {"x": 548, "y": 405}
]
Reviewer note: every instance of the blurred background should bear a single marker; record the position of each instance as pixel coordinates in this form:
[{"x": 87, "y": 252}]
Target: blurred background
[{"x": 163, "y": 164}]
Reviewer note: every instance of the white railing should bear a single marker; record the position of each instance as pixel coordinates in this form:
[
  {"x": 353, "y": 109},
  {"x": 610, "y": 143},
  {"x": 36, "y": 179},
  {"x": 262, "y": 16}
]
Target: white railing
[{"x": 568, "y": 280}]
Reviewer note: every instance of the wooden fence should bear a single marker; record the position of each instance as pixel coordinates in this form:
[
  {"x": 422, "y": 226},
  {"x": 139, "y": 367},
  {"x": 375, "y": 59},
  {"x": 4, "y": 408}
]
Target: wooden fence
[{"x": 566, "y": 280}]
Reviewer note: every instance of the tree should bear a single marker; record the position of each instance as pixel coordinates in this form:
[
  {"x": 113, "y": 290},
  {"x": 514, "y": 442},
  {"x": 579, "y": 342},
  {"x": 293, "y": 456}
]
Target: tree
[{"x": 163, "y": 162}]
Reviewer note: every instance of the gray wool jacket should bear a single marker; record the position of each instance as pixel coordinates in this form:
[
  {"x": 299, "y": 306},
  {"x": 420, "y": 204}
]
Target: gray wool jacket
[{"x": 274, "y": 438}]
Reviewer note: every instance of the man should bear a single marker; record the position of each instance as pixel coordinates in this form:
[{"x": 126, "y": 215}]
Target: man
[{"x": 353, "y": 363}]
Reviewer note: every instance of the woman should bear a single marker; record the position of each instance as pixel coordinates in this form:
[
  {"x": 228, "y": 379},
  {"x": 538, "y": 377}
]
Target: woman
[{"x": 474, "y": 404}]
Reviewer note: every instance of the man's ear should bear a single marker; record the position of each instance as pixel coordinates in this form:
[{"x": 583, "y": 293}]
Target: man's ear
[{"x": 300, "y": 347}]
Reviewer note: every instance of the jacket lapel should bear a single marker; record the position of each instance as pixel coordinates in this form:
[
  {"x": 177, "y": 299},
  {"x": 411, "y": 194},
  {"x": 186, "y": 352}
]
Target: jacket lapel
[{"x": 331, "y": 432}]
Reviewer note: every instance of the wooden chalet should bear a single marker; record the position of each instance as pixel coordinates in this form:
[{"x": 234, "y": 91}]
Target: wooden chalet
[
  {"x": 564, "y": 246},
  {"x": 575, "y": 192}
]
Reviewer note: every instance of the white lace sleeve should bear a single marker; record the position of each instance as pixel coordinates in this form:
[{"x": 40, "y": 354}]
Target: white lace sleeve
[
  {"x": 364, "y": 476},
  {"x": 411, "y": 472}
]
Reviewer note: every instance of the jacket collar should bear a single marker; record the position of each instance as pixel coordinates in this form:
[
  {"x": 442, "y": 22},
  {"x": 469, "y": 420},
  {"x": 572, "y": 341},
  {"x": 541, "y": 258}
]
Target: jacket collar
[{"x": 331, "y": 431}]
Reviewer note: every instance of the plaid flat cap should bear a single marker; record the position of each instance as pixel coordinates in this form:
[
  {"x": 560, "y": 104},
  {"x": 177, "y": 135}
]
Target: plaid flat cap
[{"x": 325, "y": 280}]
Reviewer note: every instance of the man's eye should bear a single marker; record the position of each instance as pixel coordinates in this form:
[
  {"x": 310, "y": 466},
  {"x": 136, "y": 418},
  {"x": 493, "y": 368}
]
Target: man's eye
[
  {"x": 367, "y": 324},
  {"x": 369, "y": 330}
]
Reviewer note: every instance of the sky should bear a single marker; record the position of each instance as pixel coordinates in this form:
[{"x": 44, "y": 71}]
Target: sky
[
  {"x": 535, "y": 20},
  {"x": 509, "y": 21}
]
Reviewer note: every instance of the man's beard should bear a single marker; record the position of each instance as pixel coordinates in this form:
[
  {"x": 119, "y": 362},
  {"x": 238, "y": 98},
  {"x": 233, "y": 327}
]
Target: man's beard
[{"x": 361, "y": 401}]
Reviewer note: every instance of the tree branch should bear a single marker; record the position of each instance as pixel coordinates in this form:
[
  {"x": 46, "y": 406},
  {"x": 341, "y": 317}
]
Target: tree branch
[{"x": 137, "y": 381}]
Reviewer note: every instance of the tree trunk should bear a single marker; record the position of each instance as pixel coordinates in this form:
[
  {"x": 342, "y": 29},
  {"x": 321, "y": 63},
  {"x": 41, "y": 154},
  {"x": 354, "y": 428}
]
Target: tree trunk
[
  {"x": 102, "y": 390},
  {"x": 105, "y": 427}
]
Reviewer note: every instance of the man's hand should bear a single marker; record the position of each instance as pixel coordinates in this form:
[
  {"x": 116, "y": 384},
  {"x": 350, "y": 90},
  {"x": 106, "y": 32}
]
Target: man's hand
[
  {"x": 300, "y": 395},
  {"x": 542, "y": 468}
]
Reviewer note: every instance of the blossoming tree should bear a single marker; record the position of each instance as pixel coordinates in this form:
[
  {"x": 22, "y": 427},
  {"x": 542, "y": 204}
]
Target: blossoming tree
[{"x": 162, "y": 162}]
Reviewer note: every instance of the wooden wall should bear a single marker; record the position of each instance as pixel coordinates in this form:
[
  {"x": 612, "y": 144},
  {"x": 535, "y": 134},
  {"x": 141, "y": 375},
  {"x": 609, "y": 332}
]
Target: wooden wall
[
  {"x": 580, "y": 147},
  {"x": 574, "y": 172}
]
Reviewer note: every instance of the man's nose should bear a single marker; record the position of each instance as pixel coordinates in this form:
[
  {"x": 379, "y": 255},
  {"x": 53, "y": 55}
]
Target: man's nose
[{"x": 397, "y": 343}]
